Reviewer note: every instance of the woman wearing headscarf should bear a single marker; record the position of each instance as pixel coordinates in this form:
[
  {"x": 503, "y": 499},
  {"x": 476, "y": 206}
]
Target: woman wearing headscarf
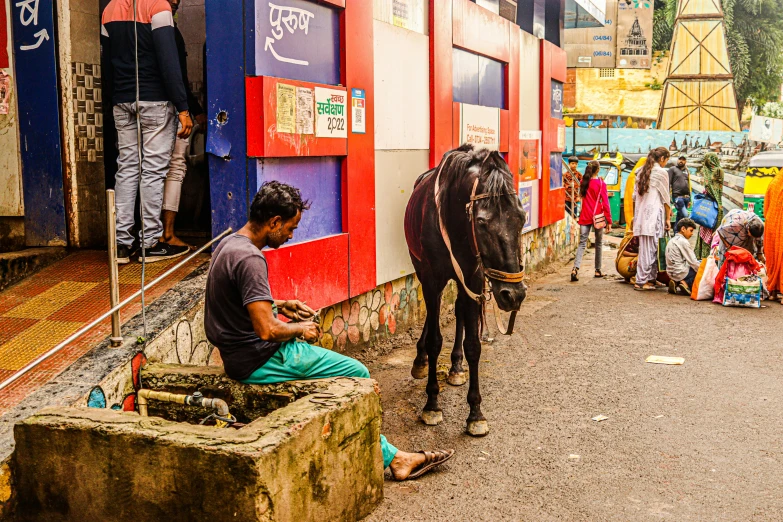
[
  {"x": 652, "y": 216},
  {"x": 712, "y": 175},
  {"x": 773, "y": 237}
]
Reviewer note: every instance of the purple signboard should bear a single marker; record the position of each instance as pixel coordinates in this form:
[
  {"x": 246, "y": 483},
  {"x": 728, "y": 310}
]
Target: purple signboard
[
  {"x": 298, "y": 40},
  {"x": 555, "y": 170}
]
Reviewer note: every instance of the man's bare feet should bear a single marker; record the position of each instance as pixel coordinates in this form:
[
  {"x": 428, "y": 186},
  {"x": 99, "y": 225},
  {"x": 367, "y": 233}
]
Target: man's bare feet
[
  {"x": 404, "y": 463},
  {"x": 174, "y": 240}
]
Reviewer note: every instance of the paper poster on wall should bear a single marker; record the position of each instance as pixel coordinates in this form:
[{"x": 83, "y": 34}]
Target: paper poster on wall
[
  {"x": 480, "y": 126},
  {"x": 331, "y": 114},
  {"x": 286, "y": 108},
  {"x": 634, "y": 34},
  {"x": 529, "y": 155},
  {"x": 526, "y": 198},
  {"x": 767, "y": 130},
  {"x": 408, "y": 14},
  {"x": 555, "y": 171},
  {"x": 556, "y": 107},
  {"x": 358, "y": 111},
  {"x": 561, "y": 137},
  {"x": 5, "y": 92},
  {"x": 305, "y": 110}
]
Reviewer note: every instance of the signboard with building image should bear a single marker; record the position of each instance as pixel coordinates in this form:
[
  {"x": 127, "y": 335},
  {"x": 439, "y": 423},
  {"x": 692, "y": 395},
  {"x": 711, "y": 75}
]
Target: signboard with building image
[
  {"x": 594, "y": 47},
  {"x": 634, "y": 34}
]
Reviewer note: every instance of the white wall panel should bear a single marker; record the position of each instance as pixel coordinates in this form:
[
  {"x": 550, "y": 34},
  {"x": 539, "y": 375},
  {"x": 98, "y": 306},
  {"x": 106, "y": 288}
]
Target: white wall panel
[
  {"x": 529, "y": 82},
  {"x": 402, "y": 93},
  {"x": 11, "y": 203},
  {"x": 395, "y": 173}
]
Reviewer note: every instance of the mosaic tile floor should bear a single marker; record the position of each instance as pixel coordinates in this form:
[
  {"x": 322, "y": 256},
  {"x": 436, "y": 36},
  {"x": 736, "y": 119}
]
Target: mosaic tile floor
[{"x": 44, "y": 309}]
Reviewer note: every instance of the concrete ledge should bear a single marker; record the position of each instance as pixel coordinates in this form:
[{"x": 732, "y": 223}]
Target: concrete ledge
[
  {"x": 15, "y": 266},
  {"x": 316, "y": 459}
]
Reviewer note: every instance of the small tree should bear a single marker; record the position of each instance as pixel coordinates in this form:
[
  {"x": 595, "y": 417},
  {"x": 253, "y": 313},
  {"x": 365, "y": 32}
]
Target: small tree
[{"x": 772, "y": 109}]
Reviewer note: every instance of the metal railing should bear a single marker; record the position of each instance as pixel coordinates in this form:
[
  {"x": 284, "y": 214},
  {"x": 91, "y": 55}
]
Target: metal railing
[{"x": 112, "y": 312}]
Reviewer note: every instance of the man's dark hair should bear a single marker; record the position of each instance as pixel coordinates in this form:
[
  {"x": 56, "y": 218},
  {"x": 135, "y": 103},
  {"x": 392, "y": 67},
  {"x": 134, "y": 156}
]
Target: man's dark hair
[
  {"x": 573, "y": 159},
  {"x": 756, "y": 228},
  {"x": 276, "y": 199},
  {"x": 685, "y": 223},
  {"x": 683, "y": 158}
]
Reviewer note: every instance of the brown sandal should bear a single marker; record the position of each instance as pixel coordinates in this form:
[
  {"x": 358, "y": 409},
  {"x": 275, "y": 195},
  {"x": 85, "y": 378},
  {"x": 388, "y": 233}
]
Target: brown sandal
[{"x": 432, "y": 459}]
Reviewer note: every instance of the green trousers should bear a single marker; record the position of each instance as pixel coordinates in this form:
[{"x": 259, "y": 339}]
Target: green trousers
[{"x": 298, "y": 361}]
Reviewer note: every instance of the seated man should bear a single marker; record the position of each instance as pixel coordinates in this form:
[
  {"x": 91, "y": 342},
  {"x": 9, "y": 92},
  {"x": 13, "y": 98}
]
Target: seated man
[
  {"x": 681, "y": 262},
  {"x": 741, "y": 228},
  {"x": 257, "y": 348}
]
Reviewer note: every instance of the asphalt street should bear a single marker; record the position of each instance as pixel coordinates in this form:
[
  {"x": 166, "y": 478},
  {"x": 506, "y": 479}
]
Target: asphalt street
[{"x": 700, "y": 441}]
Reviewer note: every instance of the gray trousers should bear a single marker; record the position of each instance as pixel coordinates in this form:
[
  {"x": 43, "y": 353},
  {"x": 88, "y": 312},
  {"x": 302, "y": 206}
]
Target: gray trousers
[
  {"x": 647, "y": 267},
  {"x": 584, "y": 233},
  {"x": 158, "y": 132}
]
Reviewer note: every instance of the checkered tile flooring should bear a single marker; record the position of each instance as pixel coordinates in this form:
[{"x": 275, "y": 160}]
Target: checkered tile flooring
[{"x": 44, "y": 309}]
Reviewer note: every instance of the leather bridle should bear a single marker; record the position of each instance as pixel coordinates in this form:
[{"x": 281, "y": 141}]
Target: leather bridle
[{"x": 487, "y": 273}]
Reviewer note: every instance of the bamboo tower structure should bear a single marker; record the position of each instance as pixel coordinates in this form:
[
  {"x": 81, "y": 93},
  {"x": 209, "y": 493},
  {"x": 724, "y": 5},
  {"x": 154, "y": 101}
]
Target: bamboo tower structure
[{"x": 699, "y": 90}]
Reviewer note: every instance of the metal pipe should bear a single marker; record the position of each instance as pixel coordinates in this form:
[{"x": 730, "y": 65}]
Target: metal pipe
[
  {"x": 114, "y": 277},
  {"x": 87, "y": 328},
  {"x": 143, "y": 396}
]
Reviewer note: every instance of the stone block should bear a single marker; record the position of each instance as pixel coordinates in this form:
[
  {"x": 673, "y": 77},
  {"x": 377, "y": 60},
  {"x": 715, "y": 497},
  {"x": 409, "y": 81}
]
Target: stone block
[{"x": 316, "y": 458}]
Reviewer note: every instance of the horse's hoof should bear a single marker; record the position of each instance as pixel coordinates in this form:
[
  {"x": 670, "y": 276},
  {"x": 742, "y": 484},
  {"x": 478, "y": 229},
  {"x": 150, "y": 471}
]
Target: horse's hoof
[
  {"x": 431, "y": 418},
  {"x": 477, "y": 428},
  {"x": 419, "y": 372},
  {"x": 456, "y": 379}
]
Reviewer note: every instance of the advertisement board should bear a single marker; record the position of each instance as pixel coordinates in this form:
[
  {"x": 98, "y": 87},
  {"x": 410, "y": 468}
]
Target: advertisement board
[
  {"x": 594, "y": 47},
  {"x": 634, "y": 34},
  {"x": 765, "y": 129},
  {"x": 480, "y": 126}
]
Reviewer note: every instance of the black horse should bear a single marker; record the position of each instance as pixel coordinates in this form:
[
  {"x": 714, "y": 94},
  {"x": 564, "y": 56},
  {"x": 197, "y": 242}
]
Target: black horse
[{"x": 463, "y": 222}]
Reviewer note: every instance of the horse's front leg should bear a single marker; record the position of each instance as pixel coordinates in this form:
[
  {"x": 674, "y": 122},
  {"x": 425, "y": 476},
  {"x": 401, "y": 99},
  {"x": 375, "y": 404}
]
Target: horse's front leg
[
  {"x": 432, "y": 414},
  {"x": 457, "y": 373},
  {"x": 477, "y": 425}
]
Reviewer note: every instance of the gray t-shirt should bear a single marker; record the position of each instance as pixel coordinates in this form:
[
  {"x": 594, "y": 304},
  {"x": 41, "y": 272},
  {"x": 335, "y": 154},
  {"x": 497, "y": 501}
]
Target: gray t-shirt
[{"x": 238, "y": 276}]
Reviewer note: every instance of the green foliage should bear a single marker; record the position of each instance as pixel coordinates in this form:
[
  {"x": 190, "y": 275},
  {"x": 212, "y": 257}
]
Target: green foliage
[
  {"x": 772, "y": 109},
  {"x": 655, "y": 85},
  {"x": 754, "y": 36}
]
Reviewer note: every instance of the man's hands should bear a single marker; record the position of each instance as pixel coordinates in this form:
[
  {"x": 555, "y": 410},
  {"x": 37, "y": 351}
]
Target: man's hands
[
  {"x": 296, "y": 310},
  {"x": 186, "y": 125},
  {"x": 311, "y": 331}
]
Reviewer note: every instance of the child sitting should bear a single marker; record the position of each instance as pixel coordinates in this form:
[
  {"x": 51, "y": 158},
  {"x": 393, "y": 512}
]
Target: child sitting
[{"x": 681, "y": 262}]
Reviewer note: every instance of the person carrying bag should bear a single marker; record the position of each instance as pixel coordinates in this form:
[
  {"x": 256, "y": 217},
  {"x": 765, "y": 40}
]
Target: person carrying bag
[{"x": 594, "y": 195}]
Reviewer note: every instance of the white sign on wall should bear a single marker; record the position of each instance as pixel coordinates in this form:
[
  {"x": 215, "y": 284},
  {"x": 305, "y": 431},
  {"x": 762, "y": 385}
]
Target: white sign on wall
[
  {"x": 767, "y": 130},
  {"x": 480, "y": 126},
  {"x": 331, "y": 114}
]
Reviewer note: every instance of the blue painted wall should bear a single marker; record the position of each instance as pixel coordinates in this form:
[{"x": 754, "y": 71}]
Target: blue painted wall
[
  {"x": 478, "y": 80},
  {"x": 319, "y": 179},
  {"x": 39, "y": 122}
]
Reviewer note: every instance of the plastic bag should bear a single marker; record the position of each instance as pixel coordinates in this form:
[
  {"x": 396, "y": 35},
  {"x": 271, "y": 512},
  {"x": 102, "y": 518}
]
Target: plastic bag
[
  {"x": 745, "y": 292},
  {"x": 704, "y": 284}
]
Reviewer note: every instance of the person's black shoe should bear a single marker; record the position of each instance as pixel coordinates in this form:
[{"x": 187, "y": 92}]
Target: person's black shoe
[
  {"x": 672, "y": 287},
  {"x": 123, "y": 255},
  {"x": 162, "y": 252}
]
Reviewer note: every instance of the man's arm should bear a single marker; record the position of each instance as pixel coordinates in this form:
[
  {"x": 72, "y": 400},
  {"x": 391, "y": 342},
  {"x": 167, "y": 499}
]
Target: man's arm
[{"x": 269, "y": 328}]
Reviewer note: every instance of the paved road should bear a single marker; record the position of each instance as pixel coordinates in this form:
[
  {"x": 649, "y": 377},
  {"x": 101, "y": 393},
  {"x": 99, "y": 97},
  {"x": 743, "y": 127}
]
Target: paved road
[{"x": 700, "y": 441}]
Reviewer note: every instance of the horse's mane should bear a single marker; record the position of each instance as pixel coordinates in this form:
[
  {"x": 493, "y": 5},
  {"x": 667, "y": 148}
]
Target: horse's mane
[{"x": 494, "y": 175}]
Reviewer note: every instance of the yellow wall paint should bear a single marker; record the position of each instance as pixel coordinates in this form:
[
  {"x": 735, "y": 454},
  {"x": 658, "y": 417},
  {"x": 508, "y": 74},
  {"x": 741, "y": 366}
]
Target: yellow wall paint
[{"x": 624, "y": 94}]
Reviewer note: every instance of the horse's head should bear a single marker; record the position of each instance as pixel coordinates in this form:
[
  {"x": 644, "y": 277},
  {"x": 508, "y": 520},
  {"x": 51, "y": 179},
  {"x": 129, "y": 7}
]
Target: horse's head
[{"x": 498, "y": 219}]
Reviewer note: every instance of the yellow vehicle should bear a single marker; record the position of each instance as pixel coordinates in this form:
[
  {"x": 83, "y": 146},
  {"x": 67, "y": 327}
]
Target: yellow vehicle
[{"x": 762, "y": 169}]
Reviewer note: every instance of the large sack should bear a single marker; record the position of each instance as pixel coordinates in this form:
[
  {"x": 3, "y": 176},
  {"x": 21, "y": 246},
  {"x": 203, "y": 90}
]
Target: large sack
[{"x": 745, "y": 291}]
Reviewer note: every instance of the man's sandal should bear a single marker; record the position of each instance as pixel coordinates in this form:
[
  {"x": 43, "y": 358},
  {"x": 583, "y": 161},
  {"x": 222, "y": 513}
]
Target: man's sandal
[
  {"x": 598, "y": 274},
  {"x": 432, "y": 459},
  {"x": 574, "y": 275}
]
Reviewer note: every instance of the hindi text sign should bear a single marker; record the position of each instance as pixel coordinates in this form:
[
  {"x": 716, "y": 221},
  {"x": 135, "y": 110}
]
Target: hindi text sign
[{"x": 330, "y": 113}]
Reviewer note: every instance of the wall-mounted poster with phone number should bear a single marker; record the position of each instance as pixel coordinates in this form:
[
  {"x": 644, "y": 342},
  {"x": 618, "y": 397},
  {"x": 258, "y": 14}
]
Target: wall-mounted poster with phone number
[{"x": 331, "y": 113}]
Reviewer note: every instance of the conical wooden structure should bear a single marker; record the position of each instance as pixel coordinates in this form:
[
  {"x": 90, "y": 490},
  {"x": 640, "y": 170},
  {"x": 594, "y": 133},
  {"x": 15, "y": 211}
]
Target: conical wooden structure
[{"x": 699, "y": 90}]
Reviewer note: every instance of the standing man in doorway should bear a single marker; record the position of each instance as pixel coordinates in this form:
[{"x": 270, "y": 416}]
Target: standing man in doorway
[
  {"x": 179, "y": 165},
  {"x": 680, "y": 187},
  {"x": 162, "y": 101},
  {"x": 571, "y": 181}
]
